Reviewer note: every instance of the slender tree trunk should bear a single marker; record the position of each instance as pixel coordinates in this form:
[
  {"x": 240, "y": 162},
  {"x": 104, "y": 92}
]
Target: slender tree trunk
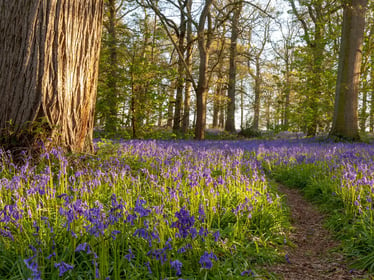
[
  {"x": 345, "y": 122},
  {"x": 287, "y": 95},
  {"x": 257, "y": 89},
  {"x": 49, "y": 54},
  {"x": 181, "y": 75},
  {"x": 204, "y": 41},
  {"x": 315, "y": 80},
  {"x": 217, "y": 102},
  {"x": 242, "y": 106},
  {"x": 111, "y": 119},
  {"x": 188, "y": 85},
  {"x": 160, "y": 110},
  {"x": 222, "y": 109},
  {"x": 363, "y": 114},
  {"x": 371, "y": 118},
  {"x": 170, "y": 107},
  {"x": 133, "y": 117},
  {"x": 231, "y": 94}
]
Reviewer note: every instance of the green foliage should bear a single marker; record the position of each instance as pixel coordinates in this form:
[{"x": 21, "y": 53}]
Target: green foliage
[
  {"x": 249, "y": 132},
  {"x": 132, "y": 89},
  {"x": 325, "y": 188}
]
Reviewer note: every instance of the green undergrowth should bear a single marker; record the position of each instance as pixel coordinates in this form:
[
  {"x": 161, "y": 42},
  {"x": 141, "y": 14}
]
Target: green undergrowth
[{"x": 347, "y": 220}]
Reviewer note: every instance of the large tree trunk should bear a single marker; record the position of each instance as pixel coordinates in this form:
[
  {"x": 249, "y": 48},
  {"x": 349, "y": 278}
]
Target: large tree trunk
[
  {"x": 345, "y": 122},
  {"x": 231, "y": 93},
  {"x": 204, "y": 41},
  {"x": 49, "y": 53}
]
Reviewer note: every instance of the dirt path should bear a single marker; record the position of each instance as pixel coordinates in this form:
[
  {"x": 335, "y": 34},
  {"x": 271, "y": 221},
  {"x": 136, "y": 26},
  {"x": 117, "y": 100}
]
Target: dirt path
[{"x": 311, "y": 258}]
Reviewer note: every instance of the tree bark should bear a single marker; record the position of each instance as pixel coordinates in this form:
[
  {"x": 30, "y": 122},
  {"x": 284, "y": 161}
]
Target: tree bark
[
  {"x": 345, "y": 122},
  {"x": 287, "y": 93},
  {"x": 49, "y": 53},
  {"x": 363, "y": 114},
  {"x": 171, "y": 102},
  {"x": 181, "y": 72},
  {"x": 204, "y": 41},
  {"x": 231, "y": 93},
  {"x": 188, "y": 85},
  {"x": 217, "y": 103},
  {"x": 222, "y": 109},
  {"x": 257, "y": 90},
  {"x": 371, "y": 118}
]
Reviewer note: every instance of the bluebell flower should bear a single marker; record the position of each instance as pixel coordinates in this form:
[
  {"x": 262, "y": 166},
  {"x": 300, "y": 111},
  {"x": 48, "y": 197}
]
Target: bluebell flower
[
  {"x": 216, "y": 236},
  {"x": 83, "y": 247},
  {"x": 143, "y": 212},
  {"x": 158, "y": 254},
  {"x": 177, "y": 266},
  {"x": 63, "y": 267},
  {"x": 148, "y": 267},
  {"x": 6, "y": 233},
  {"x": 51, "y": 255},
  {"x": 130, "y": 219},
  {"x": 205, "y": 260},
  {"x": 33, "y": 266},
  {"x": 114, "y": 233},
  {"x": 185, "y": 222},
  {"x": 287, "y": 258},
  {"x": 201, "y": 213},
  {"x": 130, "y": 255},
  {"x": 142, "y": 232},
  {"x": 247, "y": 272}
]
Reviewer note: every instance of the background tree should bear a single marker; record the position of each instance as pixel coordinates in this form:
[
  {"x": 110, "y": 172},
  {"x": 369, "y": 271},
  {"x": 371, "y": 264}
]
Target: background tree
[
  {"x": 284, "y": 50},
  {"x": 345, "y": 122},
  {"x": 314, "y": 61},
  {"x": 49, "y": 73},
  {"x": 112, "y": 75},
  {"x": 231, "y": 93},
  {"x": 255, "y": 56}
]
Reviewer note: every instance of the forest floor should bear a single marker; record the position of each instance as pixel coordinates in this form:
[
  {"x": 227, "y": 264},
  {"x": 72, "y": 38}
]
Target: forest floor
[{"x": 314, "y": 254}]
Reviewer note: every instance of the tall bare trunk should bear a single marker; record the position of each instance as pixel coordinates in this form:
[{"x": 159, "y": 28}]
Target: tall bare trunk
[
  {"x": 111, "y": 119},
  {"x": 257, "y": 89},
  {"x": 49, "y": 53},
  {"x": 231, "y": 93},
  {"x": 204, "y": 41},
  {"x": 287, "y": 94},
  {"x": 188, "y": 85},
  {"x": 181, "y": 74},
  {"x": 371, "y": 118},
  {"x": 363, "y": 114},
  {"x": 217, "y": 100},
  {"x": 241, "y": 105},
  {"x": 170, "y": 106},
  {"x": 345, "y": 123},
  {"x": 222, "y": 109}
]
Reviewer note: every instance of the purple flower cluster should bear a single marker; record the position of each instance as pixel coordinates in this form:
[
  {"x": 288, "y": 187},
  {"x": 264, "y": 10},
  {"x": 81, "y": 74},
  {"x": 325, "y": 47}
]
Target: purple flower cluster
[
  {"x": 184, "y": 223},
  {"x": 156, "y": 204},
  {"x": 206, "y": 260}
]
